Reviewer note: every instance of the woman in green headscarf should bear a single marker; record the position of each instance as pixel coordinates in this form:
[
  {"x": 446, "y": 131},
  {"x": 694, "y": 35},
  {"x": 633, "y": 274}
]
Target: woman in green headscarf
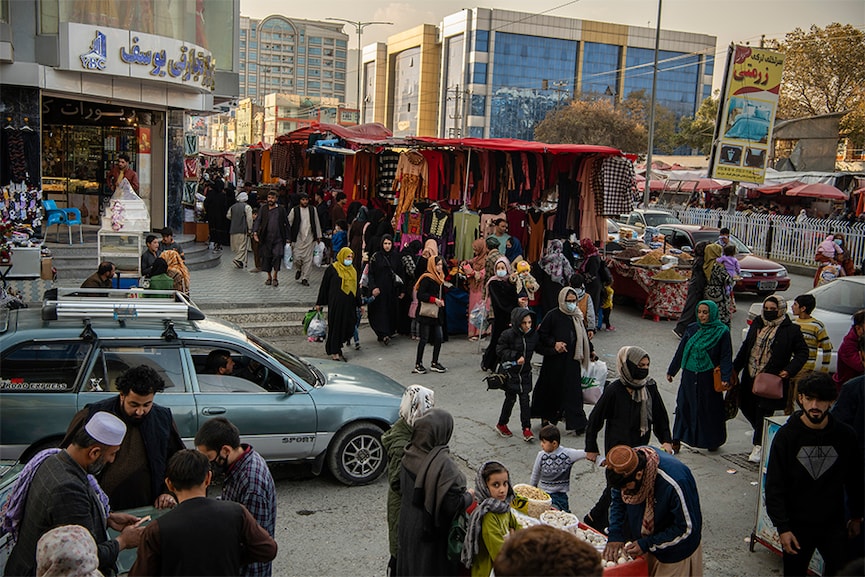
[{"x": 700, "y": 417}]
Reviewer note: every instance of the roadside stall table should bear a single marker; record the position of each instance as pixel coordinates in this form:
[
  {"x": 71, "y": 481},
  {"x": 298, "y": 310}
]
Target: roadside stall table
[{"x": 659, "y": 299}]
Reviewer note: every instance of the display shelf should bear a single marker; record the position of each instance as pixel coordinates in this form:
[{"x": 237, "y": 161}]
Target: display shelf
[{"x": 124, "y": 249}]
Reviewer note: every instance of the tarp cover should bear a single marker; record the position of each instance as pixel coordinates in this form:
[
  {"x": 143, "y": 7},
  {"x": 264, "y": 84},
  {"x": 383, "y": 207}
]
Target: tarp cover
[
  {"x": 516, "y": 145},
  {"x": 360, "y": 134}
]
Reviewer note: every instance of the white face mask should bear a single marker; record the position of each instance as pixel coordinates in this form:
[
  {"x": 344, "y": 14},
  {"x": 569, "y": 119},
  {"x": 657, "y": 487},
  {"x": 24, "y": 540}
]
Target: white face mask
[
  {"x": 571, "y": 307},
  {"x": 501, "y": 273},
  {"x": 347, "y": 262}
]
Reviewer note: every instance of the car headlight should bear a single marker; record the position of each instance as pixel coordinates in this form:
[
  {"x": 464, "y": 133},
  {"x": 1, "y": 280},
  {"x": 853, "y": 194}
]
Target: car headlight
[
  {"x": 746, "y": 274},
  {"x": 782, "y": 273}
]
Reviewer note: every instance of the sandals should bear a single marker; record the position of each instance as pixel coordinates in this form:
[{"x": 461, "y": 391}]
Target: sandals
[
  {"x": 268, "y": 282},
  {"x": 275, "y": 282}
]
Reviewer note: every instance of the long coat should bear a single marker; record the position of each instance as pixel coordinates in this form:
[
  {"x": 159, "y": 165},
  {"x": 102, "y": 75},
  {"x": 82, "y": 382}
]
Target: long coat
[
  {"x": 558, "y": 390},
  {"x": 341, "y": 310},
  {"x": 383, "y": 310}
]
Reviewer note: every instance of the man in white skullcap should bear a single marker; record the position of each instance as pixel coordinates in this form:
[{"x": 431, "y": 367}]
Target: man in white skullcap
[
  {"x": 57, "y": 488},
  {"x": 240, "y": 215}
]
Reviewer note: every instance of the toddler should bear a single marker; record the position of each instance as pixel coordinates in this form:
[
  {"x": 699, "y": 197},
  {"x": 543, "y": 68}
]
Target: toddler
[
  {"x": 606, "y": 306},
  {"x": 552, "y": 470},
  {"x": 491, "y": 522},
  {"x": 524, "y": 281},
  {"x": 731, "y": 265},
  {"x": 829, "y": 272},
  {"x": 339, "y": 239},
  {"x": 364, "y": 300}
]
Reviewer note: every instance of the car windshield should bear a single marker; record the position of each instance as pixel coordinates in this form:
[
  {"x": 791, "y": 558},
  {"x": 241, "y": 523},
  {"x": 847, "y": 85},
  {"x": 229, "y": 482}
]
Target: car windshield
[
  {"x": 712, "y": 236},
  {"x": 612, "y": 226},
  {"x": 657, "y": 219},
  {"x": 294, "y": 364},
  {"x": 840, "y": 296}
]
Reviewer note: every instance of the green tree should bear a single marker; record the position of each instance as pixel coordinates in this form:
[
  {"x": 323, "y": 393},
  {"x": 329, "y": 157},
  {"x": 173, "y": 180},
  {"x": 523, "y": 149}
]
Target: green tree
[
  {"x": 637, "y": 105},
  {"x": 824, "y": 71},
  {"x": 698, "y": 131},
  {"x": 590, "y": 121}
]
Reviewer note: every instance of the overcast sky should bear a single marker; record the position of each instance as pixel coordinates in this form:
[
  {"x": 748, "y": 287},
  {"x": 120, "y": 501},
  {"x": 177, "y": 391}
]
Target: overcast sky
[{"x": 736, "y": 21}]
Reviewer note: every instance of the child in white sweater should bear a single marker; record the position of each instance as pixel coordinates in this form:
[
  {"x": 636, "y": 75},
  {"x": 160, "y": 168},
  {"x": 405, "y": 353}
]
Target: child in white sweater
[{"x": 552, "y": 470}]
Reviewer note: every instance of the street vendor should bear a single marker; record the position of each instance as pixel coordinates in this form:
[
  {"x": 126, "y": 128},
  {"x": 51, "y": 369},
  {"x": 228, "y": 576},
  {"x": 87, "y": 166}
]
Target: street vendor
[{"x": 121, "y": 170}]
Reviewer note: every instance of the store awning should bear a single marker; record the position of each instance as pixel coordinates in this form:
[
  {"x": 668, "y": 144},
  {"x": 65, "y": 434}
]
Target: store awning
[
  {"x": 516, "y": 145},
  {"x": 359, "y": 134},
  {"x": 777, "y": 188},
  {"x": 818, "y": 190}
]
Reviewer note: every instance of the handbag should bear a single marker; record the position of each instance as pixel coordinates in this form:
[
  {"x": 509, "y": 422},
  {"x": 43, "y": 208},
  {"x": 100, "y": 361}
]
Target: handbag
[
  {"x": 429, "y": 310},
  {"x": 768, "y": 386},
  {"x": 731, "y": 403}
]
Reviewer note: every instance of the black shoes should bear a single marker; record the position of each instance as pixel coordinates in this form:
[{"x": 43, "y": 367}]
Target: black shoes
[
  {"x": 419, "y": 369},
  {"x": 437, "y": 367},
  {"x": 297, "y": 274}
]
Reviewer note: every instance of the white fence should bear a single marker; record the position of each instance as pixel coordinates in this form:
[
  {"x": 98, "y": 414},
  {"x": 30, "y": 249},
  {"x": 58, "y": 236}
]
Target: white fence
[{"x": 781, "y": 238}]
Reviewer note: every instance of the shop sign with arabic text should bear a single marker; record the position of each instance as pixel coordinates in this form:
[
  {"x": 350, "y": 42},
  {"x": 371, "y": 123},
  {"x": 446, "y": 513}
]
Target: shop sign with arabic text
[
  {"x": 117, "y": 52},
  {"x": 747, "y": 114}
]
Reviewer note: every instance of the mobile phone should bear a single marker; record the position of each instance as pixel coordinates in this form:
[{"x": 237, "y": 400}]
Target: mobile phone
[{"x": 143, "y": 521}]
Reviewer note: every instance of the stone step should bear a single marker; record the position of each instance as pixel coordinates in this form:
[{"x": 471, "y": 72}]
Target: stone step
[{"x": 264, "y": 321}]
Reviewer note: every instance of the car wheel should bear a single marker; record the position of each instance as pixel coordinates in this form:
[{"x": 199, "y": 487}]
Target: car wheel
[{"x": 356, "y": 455}]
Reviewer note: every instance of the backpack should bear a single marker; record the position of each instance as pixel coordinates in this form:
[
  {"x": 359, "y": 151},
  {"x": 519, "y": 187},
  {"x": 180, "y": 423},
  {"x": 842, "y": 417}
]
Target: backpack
[{"x": 457, "y": 536}]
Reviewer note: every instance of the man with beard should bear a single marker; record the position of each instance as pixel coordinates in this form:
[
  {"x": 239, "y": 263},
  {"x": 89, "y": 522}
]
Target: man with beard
[
  {"x": 304, "y": 231},
  {"x": 269, "y": 231},
  {"x": 247, "y": 480},
  {"x": 56, "y": 488},
  {"x": 813, "y": 463},
  {"x": 137, "y": 477}
]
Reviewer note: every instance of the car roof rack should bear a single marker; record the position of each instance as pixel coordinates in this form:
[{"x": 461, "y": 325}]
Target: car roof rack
[{"x": 119, "y": 304}]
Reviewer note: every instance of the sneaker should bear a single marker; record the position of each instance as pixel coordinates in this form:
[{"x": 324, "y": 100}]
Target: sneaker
[
  {"x": 527, "y": 435},
  {"x": 419, "y": 369},
  {"x": 611, "y": 328},
  {"x": 357, "y": 346},
  {"x": 304, "y": 282},
  {"x": 504, "y": 431},
  {"x": 756, "y": 454},
  {"x": 437, "y": 367}
]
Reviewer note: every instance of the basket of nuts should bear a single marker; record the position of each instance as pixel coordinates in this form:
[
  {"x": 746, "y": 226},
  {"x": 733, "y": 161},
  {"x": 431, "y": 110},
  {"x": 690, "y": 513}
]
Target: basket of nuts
[
  {"x": 560, "y": 519},
  {"x": 531, "y": 500}
]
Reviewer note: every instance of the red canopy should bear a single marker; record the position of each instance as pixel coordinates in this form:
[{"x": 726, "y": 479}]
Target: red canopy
[
  {"x": 361, "y": 134},
  {"x": 701, "y": 185},
  {"x": 514, "y": 144},
  {"x": 818, "y": 190},
  {"x": 769, "y": 189}
]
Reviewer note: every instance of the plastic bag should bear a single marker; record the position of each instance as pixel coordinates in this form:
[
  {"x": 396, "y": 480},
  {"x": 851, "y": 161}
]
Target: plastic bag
[
  {"x": 288, "y": 257},
  {"x": 593, "y": 382},
  {"x": 478, "y": 316},
  {"x": 318, "y": 253},
  {"x": 307, "y": 318},
  {"x": 317, "y": 328}
]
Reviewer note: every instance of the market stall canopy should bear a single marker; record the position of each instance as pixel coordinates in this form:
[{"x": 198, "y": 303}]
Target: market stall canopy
[
  {"x": 818, "y": 190},
  {"x": 516, "y": 145},
  {"x": 370, "y": 133},
  {"x": 703, "y": 184},
  {"x": 778, "y": 187},
  {"x": 655, "y": 185}
]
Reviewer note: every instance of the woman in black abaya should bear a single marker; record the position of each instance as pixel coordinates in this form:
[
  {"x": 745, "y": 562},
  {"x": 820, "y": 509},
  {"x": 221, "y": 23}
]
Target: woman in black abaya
[
  {"x": 387, "y": 291},
  {"x": 339, "y": 292}
]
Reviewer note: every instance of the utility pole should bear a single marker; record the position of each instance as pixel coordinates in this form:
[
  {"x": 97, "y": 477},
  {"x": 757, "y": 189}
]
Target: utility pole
[
  {"x": 648, "y": 190},
  {"x": 457, "y": 116},
  {"x": 358, "y": 27}
]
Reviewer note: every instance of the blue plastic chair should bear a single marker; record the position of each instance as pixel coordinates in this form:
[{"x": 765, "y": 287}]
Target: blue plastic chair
[{"x": 67, "y": 216}]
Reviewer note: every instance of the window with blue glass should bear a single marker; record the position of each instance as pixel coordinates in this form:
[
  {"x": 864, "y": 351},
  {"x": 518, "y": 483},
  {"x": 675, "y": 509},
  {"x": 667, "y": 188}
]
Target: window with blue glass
[
  {"x": 340, "y": 53},
  {"x": 480, "y": 73},
  {"x": 315, "y": 40},
  {"x": 476, "y": 131},
  {"x": 340, "y": 65},
  {"x": 478, "y": 105},
  {"x": 253, "y": 66},
  {"x": 301, "y": 59},
  {"x": 339, "y": 75},
  {"x": 600, "y": 66},
  {"x": 252, "y": 33},
  {"x": 242, "y": 54},
  {"x": 707, "y": 91},
  {"x": 522, "y": 64},
  {"x": 243, "y": 43},
  {"x": 482, "y": 40},
  {"x": 342, "y": 43},
  {"x": 678, "y": 85},
  {"x": 314, "y": 61},
  {"x": 314, "y": 84},
  {"x": 301, "y": 71},
  {"x": 253, "y": 79},
  {"x": 300, "y": 82},
  {"x": 339, "y": 87},
  {"x": 314, "y": 51},
  {"x": 253, "y": 45},
  {"x": 314, "y": 72},
  {"x": 710, "y": 64},
  {"x": 252, "y": 90}
]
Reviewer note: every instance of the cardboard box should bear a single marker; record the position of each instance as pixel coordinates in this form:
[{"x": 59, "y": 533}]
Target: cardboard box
[{"x": 47, "y": 266}]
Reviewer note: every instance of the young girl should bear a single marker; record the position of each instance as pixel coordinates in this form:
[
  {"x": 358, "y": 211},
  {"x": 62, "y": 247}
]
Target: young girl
[{"x": 491, "y": 521}]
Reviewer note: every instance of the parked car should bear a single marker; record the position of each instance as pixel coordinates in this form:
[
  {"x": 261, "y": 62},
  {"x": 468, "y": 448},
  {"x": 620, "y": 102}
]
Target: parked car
[
  {"x": 642, "y": 217},
  {"x": 56, "y": 360},
  {"x": 759, "y": 275},
  {"x": 836, "y": 303}
]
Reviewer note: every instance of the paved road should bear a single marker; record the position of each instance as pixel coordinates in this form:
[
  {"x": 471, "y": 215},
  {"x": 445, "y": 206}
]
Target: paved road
[{"x": 325, "y": 528}]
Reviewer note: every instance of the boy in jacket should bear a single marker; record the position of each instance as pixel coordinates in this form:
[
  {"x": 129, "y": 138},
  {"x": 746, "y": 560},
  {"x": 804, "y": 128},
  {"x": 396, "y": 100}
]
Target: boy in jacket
[{"x": 515, "y": 349}]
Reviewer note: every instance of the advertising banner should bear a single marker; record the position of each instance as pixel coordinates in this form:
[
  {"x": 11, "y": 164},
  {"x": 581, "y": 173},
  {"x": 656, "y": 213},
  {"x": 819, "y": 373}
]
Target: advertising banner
[{"x": 746, "y": 115}]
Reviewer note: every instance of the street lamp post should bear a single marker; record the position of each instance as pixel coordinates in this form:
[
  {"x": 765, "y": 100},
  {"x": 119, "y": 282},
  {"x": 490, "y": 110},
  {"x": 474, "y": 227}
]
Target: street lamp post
[{"x": 358, "y": 27}]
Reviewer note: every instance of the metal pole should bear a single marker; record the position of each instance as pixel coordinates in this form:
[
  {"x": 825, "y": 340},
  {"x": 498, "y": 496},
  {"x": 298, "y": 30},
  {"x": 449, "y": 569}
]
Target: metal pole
[{"x": 648, "y": 189}]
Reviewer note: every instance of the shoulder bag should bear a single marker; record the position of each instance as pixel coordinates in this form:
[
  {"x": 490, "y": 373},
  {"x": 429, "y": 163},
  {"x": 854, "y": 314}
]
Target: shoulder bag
[
  {"x": 768, "y": 386},
  {"x": 718, "y": 383},
  {"x": 430, "y": 310}
]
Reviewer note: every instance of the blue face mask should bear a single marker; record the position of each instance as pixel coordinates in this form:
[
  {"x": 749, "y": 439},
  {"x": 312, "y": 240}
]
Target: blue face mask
[
  {"x": 838, "y": 241},
  {"x": 347, "y": 262},
  {"x": 501, "y": 273},
  {"x": 571, "y": 307}
]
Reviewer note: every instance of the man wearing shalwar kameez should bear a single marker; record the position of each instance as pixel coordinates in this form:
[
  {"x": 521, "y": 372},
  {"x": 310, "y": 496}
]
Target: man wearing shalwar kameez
[{"x": 304, "y": 230}]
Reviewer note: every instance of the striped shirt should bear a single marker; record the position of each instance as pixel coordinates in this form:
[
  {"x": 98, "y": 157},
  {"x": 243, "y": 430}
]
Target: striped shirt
[{"x": 814, "y": 332}]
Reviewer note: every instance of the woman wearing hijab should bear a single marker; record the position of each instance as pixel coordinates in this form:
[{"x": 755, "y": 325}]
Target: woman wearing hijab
[
  {"x": 696, "y": 288},
  {"x": 774, "y": 344},
  {"x": 430, "y": 251},
  {"x": 159, "y": 279},
  {"x": 379, "y": 226},
  {"x": 67, "y": 551},
  {"x": 433, "y": 492},
  {"x": 429, "y": 289},
  {"x": 552, "y": 272},
  {"x": 177, "y": 270},
  {"x": 339, "y": 292},
  {"x": 700, "y": 416},
  {"x": 717, "y": 281},
  {"x": 591, "y": 269},
  {"x": 385, "y": 289},
  {"x": 474, "y": 270},
  {"x": 565, "y": 345},
  {"x": 631, "y": 408},
  {"x": 358, "y": 215},
  {"x": 408, "y": 272},
  {"x": 503, "y": 300},
  {"x": 416, "y": 402}
]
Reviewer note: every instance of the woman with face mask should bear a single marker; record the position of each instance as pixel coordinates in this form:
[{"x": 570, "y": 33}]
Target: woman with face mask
[
  {"x": 567, "y": 351},
  {"x": 339, "y": 292},
  {"x": 717, "y": 282},
  {"x": 385, "y": 289},
  {"x": 503, "y": 299},
  {"x": 774, "y": 345}
]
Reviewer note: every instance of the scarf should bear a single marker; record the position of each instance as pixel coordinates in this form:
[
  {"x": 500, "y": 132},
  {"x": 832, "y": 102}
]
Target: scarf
[
  {"x": 13, "y": 509},
  {"x": 430, "y": 249},
  {"x": 629, "y": 357},
  {"x": 582, "y": 352},
  {"x": 176, "y": 265},
  {"x": 555, "y": 264},
  {"x": 712, "y": 252},
  {"x": 348, "y": 274},
  {"x": 427, "y": 457},
  {"x": 695, "y": 355},
  {"x": 762, "y": 349},
  {"x": 646, "y": 492},
  {"x": 486, "y": 504},
  {"x": 67, "y": 551},
  {"x": 589, "y": 250},
  {"x": 416, "y": 401},
  {"x": 431, "y": 272},
  {"x": 479, "y": 247},
  {"x": 497, "y": 278}
]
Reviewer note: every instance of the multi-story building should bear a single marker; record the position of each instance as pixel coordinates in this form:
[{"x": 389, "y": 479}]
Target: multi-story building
[
  {"x": 500, "y": 72},
  {"x": 289, "y": 55},
  {"x": 85, "y": 80}
]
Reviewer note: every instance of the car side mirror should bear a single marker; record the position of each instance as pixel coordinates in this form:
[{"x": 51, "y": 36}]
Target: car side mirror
[{"x": 290, "y": 386}]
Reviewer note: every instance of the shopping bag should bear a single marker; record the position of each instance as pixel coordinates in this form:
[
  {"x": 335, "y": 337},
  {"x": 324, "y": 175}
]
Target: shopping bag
[
  {"x": 307, "y": 318},
  {"x": 288, "y": 258},
  {"x": 593, "y": 382},
  {"x": 318, "y": 253},
  {"x": 478, "y": 317},
  {"x": 317, "y": 327}
]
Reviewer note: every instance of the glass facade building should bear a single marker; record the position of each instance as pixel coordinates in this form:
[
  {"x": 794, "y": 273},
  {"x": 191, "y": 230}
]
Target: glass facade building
[
  {"x": 600, "y": 68},
  {"x": 678, "y": 75},
  {"x": 406, "y": 92}
]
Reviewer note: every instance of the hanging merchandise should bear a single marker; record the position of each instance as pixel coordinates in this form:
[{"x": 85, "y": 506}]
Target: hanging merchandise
[{"x": 619, "y": 184}]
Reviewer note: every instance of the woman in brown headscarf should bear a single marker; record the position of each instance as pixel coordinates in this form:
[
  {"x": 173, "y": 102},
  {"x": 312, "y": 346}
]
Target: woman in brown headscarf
[
  {"x": 476, "y": 277},
  {"x": 177, "y": 270},
  {"x": 433, "y": 492}
]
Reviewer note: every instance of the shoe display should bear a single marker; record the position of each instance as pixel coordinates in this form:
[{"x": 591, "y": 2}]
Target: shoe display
[
  {"x": 419, "y": 369},
  {"x": 528, "y": 435},
  {"x": 437, "y": 367},
  {"x": 504, "y": 431},
  {"x": 756, "y": 454}
]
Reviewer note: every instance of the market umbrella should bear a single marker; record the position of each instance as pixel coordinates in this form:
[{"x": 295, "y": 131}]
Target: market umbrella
[
  {"x": 778, "y": 187},
  {"x": 818, "y": 190},
  {"x": 656, "y": 185},
  {"x": 702, "y": 185}
]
